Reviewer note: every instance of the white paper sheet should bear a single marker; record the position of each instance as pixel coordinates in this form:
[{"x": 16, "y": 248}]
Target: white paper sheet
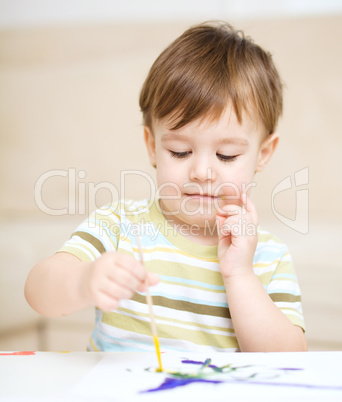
[{"x": 123, "y": 376}]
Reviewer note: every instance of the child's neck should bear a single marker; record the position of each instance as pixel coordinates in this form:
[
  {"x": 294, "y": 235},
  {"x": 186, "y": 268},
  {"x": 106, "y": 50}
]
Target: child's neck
[
  {"x": 204, "y": 240},
  {"x": 206, "y": 235}
]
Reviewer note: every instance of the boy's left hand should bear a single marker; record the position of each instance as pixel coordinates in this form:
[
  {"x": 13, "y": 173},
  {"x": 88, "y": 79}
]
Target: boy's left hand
[{"x": 237, "y": 237}]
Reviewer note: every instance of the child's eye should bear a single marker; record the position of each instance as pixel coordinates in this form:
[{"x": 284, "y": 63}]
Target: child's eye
[
  {"x": 227, "y": 158},
  {"x": 180, "y": 155}
]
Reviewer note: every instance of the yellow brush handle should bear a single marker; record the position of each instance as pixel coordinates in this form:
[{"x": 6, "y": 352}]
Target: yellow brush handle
[{"x": 156, "y": 344}]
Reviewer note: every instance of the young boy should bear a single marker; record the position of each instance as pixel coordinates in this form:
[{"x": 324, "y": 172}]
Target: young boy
[{"x": 210, "y": 104}]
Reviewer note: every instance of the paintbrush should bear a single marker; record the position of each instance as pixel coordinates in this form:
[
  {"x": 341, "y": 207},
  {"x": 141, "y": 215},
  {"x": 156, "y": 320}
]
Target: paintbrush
[{"x": 150, "y": 307}]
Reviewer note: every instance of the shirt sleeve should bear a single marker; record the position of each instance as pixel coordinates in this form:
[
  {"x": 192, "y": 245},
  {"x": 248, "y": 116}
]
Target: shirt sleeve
[
  {"x": 284, "y": 290},
  {"x": 96, "y": 235}
]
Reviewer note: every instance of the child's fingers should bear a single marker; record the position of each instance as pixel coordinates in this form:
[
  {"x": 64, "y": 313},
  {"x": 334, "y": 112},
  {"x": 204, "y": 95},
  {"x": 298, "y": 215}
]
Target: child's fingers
[
  {"x": 105, "y": 294},
  {"x": 106, "y": 302},
  {"x": 129, "y": 264},
  {"x": 232, "y": 219},
  {"x": 222, "y": 227},
  {"x": 117, "y": 291},
  {"x": 249, "y": 207},
  {"x": 225, "y": 216},
  {"x": 152, "y": 278},
  {"x": 229, "y": 210},
  {"x": 130, "y": 273},
  {"x": 124, "y": 278},
  {"x": 110, "y": 295}
]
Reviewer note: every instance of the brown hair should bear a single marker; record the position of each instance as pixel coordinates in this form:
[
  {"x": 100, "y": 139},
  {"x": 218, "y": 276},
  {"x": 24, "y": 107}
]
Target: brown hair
[{"x": 207, "y": 67}]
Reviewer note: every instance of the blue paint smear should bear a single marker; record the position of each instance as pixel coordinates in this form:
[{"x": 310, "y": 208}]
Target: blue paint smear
[
  {"x": 170, "y": 383},
  {"x": 207, "y": 363},
  {"x": 203, "y": 364}
]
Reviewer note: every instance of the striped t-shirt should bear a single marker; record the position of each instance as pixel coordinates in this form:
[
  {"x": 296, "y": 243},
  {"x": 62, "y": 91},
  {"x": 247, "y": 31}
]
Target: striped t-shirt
[{"x": 189, "y": 302}]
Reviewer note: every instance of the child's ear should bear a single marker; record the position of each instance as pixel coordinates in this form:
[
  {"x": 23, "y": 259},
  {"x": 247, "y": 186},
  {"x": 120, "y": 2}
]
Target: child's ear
[
  {"x": 267, "y": 148},
  {"x": 150, "y": 145}
]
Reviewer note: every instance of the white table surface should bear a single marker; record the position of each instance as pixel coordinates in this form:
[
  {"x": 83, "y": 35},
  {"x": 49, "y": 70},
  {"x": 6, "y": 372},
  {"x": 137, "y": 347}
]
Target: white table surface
[{"x": 84, "y": 376}]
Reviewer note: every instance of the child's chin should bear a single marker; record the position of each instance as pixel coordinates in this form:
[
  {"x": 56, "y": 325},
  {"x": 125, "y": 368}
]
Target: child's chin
[{"x": 202, "y": 219}]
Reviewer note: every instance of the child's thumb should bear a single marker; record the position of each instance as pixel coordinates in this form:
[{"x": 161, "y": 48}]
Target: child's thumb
[{"x": 153, "y": 279}]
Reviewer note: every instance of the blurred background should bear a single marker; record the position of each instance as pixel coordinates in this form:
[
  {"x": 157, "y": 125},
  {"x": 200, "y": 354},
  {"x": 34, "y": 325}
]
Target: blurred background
[{"x": 71, "y": 139}]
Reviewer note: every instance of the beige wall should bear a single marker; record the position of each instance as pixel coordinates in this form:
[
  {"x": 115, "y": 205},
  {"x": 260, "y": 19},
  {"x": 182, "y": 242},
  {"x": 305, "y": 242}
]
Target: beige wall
[{"x": 69, "y": 102}]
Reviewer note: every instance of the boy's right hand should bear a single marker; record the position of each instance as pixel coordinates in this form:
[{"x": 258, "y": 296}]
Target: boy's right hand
[{"x": 112, "y": 277}]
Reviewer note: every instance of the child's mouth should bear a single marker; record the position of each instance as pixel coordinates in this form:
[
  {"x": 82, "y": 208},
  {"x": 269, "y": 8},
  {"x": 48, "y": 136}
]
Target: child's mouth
[{"x": 204, "y": 197}]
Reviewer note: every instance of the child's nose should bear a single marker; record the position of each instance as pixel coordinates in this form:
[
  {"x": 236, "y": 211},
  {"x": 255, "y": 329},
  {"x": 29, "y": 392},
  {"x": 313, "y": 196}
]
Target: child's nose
[{"x": 201, "y": 170}]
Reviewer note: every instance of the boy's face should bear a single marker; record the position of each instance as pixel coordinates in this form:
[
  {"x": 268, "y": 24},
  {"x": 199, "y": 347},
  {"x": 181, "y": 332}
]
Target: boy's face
[{"x": 206, "y": 164}]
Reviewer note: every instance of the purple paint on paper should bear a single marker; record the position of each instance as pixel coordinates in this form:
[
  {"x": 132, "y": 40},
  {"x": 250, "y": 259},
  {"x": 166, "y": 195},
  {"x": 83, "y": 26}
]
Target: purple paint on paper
[
  {"x": 198, "y": 362},
  {"x": 170, "y": 383},
  {"x": 187, "y": 361},
  {"x": 180, "y": 380},
  {"x": 206, "y": 363}
]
